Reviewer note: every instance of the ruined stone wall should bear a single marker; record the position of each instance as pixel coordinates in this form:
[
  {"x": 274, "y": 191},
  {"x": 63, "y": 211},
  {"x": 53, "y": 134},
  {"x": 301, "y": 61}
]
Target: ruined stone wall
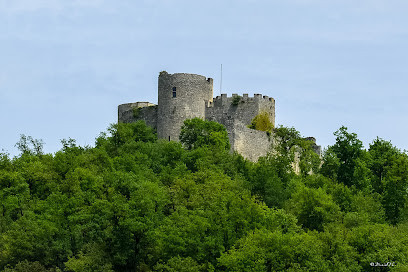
[
  {"x": 250, "y": 143},
  {"x": 317, "y": 148},
  {"x": 184, "y": 96},
  {"x": 132, "y": 112},
  {"x": 181, "y": 97},
  {"x": 227, "y": 110},
  {"x": 236, "y": 113}
]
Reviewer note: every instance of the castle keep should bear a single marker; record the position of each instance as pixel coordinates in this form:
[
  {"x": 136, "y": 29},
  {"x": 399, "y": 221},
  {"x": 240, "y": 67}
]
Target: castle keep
[{"x": 185, "y": 96}]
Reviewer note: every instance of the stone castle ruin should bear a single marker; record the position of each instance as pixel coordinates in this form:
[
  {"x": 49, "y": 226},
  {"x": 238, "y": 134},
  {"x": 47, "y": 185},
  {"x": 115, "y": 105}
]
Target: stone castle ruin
[{"x": 185, "y": 96}]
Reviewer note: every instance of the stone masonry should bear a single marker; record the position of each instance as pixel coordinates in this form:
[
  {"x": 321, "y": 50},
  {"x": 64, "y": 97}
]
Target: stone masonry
[{"x": 184, "y": 96}]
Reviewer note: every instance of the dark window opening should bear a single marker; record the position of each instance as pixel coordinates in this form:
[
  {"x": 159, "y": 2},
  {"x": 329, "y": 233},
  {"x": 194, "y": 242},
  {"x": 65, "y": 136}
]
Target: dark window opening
[
  {"x": 174, "y": 91},
  {"x": 169, "y": 138}
]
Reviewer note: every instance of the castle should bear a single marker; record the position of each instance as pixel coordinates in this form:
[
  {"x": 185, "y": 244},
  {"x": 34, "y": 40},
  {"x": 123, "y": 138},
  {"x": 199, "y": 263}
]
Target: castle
[{"x": 184, "y": 96}]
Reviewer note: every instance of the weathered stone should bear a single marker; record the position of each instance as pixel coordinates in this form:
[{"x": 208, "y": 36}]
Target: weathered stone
[{"x": 185, "y": 96}]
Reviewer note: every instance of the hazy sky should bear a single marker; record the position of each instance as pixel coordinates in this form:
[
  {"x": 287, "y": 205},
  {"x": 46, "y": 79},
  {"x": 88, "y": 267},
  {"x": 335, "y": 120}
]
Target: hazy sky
[{"x": 67, "y": 64}]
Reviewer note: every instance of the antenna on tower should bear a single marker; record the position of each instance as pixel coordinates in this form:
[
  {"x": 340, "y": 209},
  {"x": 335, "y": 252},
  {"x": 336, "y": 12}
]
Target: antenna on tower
[{"x": 221, "y": 80}]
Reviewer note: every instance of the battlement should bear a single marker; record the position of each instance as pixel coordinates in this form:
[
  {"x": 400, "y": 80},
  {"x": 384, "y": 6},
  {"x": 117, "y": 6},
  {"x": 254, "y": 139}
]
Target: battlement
[
  {"x": 184, "y": 96},
  {"x": 230, "y": 110},
  {"x": 236, "y": 99},
  {"x": 186, "y": 76}
]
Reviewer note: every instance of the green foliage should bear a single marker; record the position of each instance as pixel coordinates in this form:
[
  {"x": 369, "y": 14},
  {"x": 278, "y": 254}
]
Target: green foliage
[
  {"x": 197, "y": 133},
  {"x": 367, "y": 207},
  {"x": 383, "y": 168},
  {"x": 262, "y": 122},
  {"x": 294, "y": 149},
  {"x": 135, "y": 203},
  {"x": 331, "y": 164},
  {"x": 313, "y": 207},
  {"x": 268, "y": 182},
  {"x": 138, "y": 131},
  {"x": 26, "y": 141},
  {"x": 379, "y": 242},
  {"x": 136, "y": 112},
  {"x": 14, "y": 196},
  {"x": 26, "y": 266},
  {"x": 288, "y": 139},
  {"x": 382, "y": 154},
  {"x": 123, "y": 135},
  {"x": 389, "y": 167},
  {"x": 395, "y": 188},
  {"x": 309, "y": 160},
  {"x": 92, "y": 258},
  {"x": 180, "y": 264},
  {"x": 347, "y": 149},
  {"x": 264, "y": 250},
  {"x": 217, "y": 210},
  {"x": 235, "y": 100},
  {"x": 5, "y": 162}
]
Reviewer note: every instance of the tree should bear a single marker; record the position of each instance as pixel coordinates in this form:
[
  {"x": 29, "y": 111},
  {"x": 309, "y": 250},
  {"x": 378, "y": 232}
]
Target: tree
[
  {"x": 180, "y": 264},
  {"x": 211, "y": 212},
  {"x": 348, "y": 148},
  {"x": 197, "y": 133},
  {"x": 389, "y": 167},
  {"x": 26, "y": 141},
  {"x": 262, "y": 122},
  {"x": 313, "y": 207},
  {"x": 135, "y": 203},
  {"x": 331, "y": 164},
  {"x": 26, "y": 266},
  {"x": 287, "y": 139},
  {"x": 309, "y": 160},
  {"x": 265, "y": 181},
  {"x": 122, "y": 133},
  {"x": 265, "y": 250},
  {"x": 395, "y": 188},
  {"x": 382, "y": 155},
  {"x": 92, "y": 258}
]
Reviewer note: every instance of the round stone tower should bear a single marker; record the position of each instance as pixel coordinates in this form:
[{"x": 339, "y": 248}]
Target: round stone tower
[{"x": 181, "y": 97}]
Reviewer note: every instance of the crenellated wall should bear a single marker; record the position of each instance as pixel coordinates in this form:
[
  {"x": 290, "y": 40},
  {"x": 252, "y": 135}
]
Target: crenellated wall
[
  {"x": 184, "y": 96},
  {"x": 227, "y": 110}
]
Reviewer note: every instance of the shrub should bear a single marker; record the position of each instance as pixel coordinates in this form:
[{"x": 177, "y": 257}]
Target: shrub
[
  {"x": 236, "y": 99},
  {"x": 262, "y": 122}
]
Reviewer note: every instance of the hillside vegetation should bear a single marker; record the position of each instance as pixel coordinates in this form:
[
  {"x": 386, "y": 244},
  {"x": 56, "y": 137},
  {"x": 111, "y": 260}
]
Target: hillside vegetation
[{"x": 136, "y": 203}]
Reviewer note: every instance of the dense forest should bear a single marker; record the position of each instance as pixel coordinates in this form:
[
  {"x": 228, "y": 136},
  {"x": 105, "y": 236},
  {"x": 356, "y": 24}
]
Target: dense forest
[{"x": 136, "y": 203}]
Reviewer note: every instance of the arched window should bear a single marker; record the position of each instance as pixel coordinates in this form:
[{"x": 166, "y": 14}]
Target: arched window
[{"x": 174, "y": 91}]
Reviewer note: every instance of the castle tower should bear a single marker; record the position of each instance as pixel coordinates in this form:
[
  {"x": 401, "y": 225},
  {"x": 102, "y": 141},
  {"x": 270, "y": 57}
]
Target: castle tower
[{"x": 181, "y": 97}]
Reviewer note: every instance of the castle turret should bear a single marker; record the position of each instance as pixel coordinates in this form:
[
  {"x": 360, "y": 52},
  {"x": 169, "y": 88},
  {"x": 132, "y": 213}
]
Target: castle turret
[{"x": 181, "y": 97}]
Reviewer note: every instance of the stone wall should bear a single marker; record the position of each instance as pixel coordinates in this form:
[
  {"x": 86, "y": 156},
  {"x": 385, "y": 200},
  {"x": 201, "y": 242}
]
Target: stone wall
[
  {"x": 185, "y": 96},
  {"x": 228, "y": 110},
  {"x": 236, "y": 113},
  {"x": 250, "y": 143},
  {"x": 131, "y": 112},
  {"x": 317, "y": 148}
]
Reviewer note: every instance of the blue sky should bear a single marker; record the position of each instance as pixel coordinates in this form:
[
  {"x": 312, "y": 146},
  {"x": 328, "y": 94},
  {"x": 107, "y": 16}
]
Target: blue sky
[{"x": 67, "y": 65}]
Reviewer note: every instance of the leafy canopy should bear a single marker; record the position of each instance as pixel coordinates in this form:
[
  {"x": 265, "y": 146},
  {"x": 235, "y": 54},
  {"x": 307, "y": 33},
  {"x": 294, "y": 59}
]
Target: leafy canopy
[
  {"x": 136, "y": 203},
  {"x": 262, "y": 122},
  {"x": 197, "y": 133}
]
